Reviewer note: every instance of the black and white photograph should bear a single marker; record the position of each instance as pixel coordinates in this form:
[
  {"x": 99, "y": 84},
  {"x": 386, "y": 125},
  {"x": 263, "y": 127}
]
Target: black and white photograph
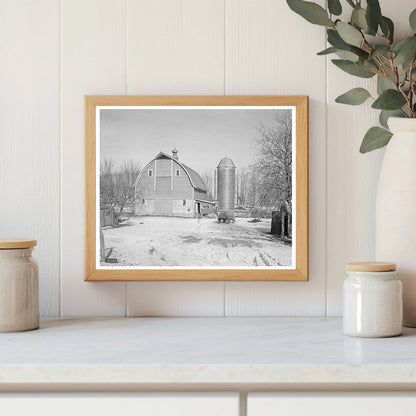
[{"x": 195, "y": 187}]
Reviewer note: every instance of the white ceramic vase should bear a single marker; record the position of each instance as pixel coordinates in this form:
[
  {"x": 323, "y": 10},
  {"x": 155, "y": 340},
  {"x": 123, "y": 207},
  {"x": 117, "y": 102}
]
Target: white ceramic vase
[{"x": 396, "y": 210}]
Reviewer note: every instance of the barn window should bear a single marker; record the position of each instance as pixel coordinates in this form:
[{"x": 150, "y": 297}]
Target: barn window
[
  {"x": 177, "y": 172},
  {"x": 150, "y": 172},
  {"x": 183, "y": 201}
]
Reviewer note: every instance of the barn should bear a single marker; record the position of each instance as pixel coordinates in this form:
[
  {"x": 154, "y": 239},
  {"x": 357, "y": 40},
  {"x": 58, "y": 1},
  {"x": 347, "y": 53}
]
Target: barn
[{"x": 167, "y": 187}]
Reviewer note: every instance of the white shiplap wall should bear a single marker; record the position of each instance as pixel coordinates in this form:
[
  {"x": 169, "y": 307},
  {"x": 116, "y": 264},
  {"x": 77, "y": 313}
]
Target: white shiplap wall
[
  {"x": 30, "y": 134},
  {"x": 55, "y": 52}
]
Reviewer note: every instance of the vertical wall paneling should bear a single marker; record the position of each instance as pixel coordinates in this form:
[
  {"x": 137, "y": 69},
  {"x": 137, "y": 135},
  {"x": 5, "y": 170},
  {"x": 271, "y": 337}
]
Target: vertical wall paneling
[
  {"x": 352, "y": 177},
  {"x": 175, "y": 47},
  {"x": 93, "y": 61},
  {"x": 272, "y": 51},
  {"x": 54, "y": 52},
  {"x": 29, "y": 135}
]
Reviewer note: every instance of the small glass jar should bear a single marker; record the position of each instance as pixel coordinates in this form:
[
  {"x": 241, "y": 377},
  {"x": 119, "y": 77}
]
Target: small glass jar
[
  {"x": 19, "y": 286},
  {"x": 372, "y": 300}
]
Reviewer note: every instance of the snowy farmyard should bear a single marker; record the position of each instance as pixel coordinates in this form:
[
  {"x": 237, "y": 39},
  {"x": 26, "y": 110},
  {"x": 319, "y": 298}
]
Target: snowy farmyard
[{"x": 195, "y": 187}]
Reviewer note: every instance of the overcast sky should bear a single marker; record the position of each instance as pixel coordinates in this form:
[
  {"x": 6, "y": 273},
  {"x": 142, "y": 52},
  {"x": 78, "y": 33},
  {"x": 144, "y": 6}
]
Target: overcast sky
[{"x": 203, "y": 137}]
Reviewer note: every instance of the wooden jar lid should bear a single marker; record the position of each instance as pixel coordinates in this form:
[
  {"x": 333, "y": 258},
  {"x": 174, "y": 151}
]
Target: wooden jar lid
[
  {"x": 12, "y": 243},
  {"x": 371, "y": 266}
]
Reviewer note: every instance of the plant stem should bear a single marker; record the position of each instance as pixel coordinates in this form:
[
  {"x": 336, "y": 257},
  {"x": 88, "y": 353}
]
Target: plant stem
[{"x": 412, "y": 86}]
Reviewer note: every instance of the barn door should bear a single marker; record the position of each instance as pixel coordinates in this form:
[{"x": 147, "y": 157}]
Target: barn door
[{"x": 163, "y": 207}]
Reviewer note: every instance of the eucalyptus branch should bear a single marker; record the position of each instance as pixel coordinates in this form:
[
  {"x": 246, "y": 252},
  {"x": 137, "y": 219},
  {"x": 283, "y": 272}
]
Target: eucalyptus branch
[
  {"x": 369, "y": 46},
  {"x": 412, "y": 85},
  {"x": 365, "y": 43},
  {"x": 406, "y": 97},
  {"x": 395, "y": 71}
]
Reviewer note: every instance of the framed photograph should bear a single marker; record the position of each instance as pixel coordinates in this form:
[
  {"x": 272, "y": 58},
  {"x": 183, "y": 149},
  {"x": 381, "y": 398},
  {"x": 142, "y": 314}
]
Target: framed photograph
[{"x": 196, "y": 188}]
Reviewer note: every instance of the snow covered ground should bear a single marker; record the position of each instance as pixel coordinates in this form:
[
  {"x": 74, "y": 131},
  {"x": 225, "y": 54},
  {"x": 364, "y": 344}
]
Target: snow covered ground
[{"x": 193, "y": 242}]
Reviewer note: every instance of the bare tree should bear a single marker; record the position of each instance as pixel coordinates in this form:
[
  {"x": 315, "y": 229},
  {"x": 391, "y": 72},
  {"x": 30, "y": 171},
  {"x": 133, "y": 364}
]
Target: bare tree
[
  {"x": 243, "y": 188},
  {"x": 208, "y": 178},
  {"x": 273, "y": 168},
  {"x": 117, "y": 185}
]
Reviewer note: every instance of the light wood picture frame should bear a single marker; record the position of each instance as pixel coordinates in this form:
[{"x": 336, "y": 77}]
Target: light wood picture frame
[{"x": 166, "y": 203}]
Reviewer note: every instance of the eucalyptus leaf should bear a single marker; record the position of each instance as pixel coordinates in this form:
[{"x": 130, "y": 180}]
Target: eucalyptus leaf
[
  {"x": 356, "y": 96},
  {"x": 336, "y": 41},
  {"x": 381, "y": 50},
  {"x": 334, "y": 7},
  {"x": 349, "y": 34},
  {"x": 387, "y": 27},
  {"x": 358, "y": 18},
  {"x": 352, "y": 68},
  {"x": 360, "y": 52},
  {"x": 373, "y": 65},
  {"x": 327, "y": 51},
  {"x": 412, "y": 20},
  {"x": 375, "y": 138},
  {"x": 386, "y": 114},
  {"x": 389, "y": 100},
  {"x": 373, "y": 15},
  {"x": 311, "y": 12},
  {"x": 350, "y": 56},
  {"x": 347, "y": 55},
  {"x": 383, "y": 84},
  {"x": 405, "y": 50}
]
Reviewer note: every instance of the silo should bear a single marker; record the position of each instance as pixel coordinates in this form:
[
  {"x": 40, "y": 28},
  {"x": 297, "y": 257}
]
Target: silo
[{"x": 226, "y": 189}]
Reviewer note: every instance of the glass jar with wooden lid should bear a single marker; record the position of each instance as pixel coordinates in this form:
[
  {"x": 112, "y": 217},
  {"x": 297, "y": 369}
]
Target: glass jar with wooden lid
[
  {"x": 372, "y": 300},
  {"x": 19, "y": 286}
]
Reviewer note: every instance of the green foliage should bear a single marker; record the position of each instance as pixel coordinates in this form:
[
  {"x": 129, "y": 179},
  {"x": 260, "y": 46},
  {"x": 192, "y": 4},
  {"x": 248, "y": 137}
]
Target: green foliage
[
  {"x": 373, "y": 15},
  {"x": 387, "y": 27},
  {"x": 383, "y": 84},
  {"x": 412, "y": 20},
  {"x": 358, "y": 18},
  {"x": 337, "y": 42},
  {"x": 311, "y": 12},
  {"x": 389, "y": 100},
  {"x": 352, "y": 68},
  {"x": 334, "y": 7},
  {"x": 366, "y": 47},
  {"x": 348, "y": 56},
  {"x": 375, "y": 138},
  {"x": 343, "y": 54},
  {"x": 349, "y": 34},
  {"x": 381, "y": 51},
  {"x": 327, "y": 51},
  {"x": 355, "y": 96},
  {"x": 405, "y": 51}
]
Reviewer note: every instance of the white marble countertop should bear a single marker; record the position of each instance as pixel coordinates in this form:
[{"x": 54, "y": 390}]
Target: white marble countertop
[{"x": 203, "y": 351}]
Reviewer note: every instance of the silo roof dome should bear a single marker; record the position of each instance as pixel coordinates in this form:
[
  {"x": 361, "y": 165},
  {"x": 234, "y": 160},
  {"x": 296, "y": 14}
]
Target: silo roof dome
[{"x": 226, "y": 162}]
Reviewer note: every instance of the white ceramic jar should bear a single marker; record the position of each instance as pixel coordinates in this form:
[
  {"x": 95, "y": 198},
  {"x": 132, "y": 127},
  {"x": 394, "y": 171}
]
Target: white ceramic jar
[
  {"x": 372, "y": 300},
  {"x": 19, "y": 286}
]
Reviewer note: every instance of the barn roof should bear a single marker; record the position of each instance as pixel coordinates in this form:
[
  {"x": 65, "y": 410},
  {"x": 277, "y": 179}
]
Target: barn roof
[{"x": 196, "y": 181}]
